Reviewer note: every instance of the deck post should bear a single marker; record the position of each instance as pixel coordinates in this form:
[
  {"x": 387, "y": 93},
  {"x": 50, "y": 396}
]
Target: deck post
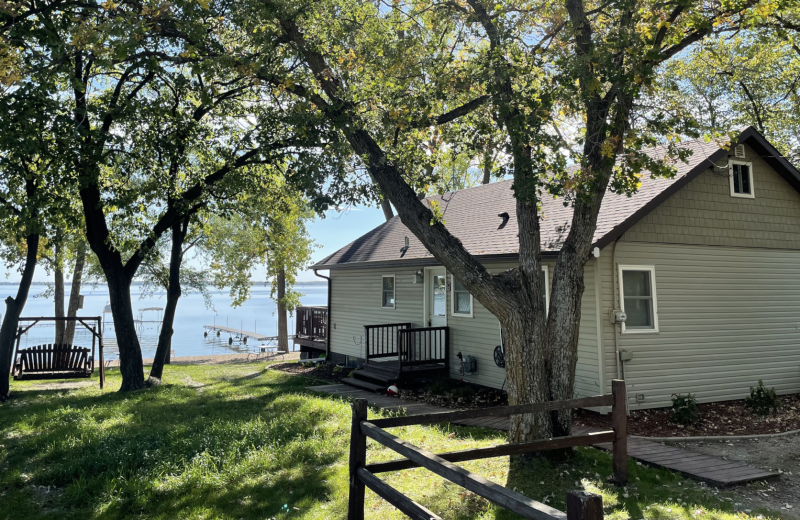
[
  {"x": 447, "y": 349},
  {"x": 619, "y": 422},
  {"x": 582, "y": 505},
  {"x": 358, "y": 459},
  {"x": 366, "y": 343}
]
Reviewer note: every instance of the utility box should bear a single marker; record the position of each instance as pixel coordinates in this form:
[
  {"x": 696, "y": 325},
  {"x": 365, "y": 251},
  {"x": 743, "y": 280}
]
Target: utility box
[{"x": 470, "y": 364}]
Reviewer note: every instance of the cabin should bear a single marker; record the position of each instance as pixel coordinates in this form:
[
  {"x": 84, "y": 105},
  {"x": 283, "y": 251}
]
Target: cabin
[{"x": 705, "y": 268}]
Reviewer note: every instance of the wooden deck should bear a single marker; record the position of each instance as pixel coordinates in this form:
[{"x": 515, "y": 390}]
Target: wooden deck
[{"x": 698, "y": 466}]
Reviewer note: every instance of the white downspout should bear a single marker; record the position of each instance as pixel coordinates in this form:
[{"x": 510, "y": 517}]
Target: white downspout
[
  {"x": 598, "y": 299},
  {"x": 616, "y": 301}
]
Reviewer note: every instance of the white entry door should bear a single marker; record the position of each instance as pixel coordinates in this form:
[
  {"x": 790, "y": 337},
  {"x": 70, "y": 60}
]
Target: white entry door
[{"x": 436, "y": 296}]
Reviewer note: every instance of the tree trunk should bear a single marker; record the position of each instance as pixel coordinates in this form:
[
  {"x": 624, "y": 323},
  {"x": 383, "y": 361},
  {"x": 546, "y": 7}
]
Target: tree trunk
[
  {"x": 179, "y": 229},
  {"x": 283, "y": 329},
  {"x": 131, "y": 366},
  {"x": 386, "y": 206},
  {"x": 75, "y": 290},
  {"x": 14, "y": 306},
  {"x": 487, "y": 168},
  {"x": 58, "y": 295},
  {"x": 118, "y": 277}
]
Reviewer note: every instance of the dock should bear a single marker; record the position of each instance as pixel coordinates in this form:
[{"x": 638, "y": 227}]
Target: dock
[{"x": 240, "y": 334}]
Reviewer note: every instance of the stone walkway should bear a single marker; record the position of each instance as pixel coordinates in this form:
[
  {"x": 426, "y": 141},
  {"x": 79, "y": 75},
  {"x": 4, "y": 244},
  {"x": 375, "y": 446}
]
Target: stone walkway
[{"x": 699, "y": 466}]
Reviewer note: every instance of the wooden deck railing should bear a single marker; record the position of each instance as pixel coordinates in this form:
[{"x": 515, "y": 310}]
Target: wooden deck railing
[
  {"x": 381, "y": 340},
  {"x": 312, "y": 323},
  {"x": 580, "y": 505},
  {"x": 424, "y": 346}
]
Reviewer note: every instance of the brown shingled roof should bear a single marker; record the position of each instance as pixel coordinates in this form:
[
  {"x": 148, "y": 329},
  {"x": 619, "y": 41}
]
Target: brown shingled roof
[{"x": 472, "y": 214}]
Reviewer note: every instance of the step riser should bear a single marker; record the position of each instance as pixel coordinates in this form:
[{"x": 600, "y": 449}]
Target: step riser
[
  {"x": 374, "y": 378},
  {"x": 363, "y": 385}
]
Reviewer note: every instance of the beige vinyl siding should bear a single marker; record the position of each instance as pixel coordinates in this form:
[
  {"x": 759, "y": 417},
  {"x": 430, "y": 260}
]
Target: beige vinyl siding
[
  {"x": 728, "y": 290},
  {"x": 704, "y": 212},
  {"x": 356, "y": 297},
  {"x": 356, "y": 301},
  {"x": 727, "y": 318},
  {"x": 587, "y": 374},
  {"x": 476, "y": 336}
]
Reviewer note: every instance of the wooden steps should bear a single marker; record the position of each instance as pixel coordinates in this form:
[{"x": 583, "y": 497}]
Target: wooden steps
[{"x": 366, "y": 385}]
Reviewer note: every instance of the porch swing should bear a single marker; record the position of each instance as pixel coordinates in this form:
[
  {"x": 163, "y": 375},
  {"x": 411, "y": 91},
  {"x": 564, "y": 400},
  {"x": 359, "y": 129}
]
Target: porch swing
[{"x": 53, "y": 361}]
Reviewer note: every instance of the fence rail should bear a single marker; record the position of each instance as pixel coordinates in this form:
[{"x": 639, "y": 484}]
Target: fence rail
[
  {"x": 381, "y": 340},
  {"x": 312, "y": 322},
  {"x": 580, "y": 505}
]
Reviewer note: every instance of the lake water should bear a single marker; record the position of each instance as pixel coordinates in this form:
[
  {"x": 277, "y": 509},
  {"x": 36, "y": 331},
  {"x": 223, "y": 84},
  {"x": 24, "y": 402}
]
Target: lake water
[{"x": 256, "y": 315}]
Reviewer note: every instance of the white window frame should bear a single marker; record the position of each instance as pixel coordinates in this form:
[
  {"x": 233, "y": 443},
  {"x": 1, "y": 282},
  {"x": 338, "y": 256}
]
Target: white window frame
[
  {"x": 546, "y": 290},
  {"x": 652, "y": 270},
  {"x": 453, "y": 301},
  {"x": 749, "y": 165},
  {"x": 394, "y": 291}
]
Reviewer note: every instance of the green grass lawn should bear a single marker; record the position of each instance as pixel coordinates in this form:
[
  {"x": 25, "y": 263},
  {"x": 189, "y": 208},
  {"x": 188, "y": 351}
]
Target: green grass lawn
[{"x": 238, "y": 442}]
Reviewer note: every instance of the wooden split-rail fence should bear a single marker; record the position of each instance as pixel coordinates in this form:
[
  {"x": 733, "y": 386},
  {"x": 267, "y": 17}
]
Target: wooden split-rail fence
[{"x": 580, "y": 505}]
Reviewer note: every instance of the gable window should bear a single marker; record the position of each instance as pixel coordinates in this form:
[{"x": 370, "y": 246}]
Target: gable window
[
  {"x": 461, "y": 299},
  {"x": 741, "y": 174},
  {"x": 638, "y": 298},
  {"x": 387, "y": 295}
]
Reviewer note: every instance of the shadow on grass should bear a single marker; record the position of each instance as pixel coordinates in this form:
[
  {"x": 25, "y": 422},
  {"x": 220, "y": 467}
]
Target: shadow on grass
[{"x": 243, "y": 447}]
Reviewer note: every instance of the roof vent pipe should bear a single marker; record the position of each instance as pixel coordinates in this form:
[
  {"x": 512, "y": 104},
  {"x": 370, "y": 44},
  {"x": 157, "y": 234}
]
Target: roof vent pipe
[{"x": 504, "y": 215}]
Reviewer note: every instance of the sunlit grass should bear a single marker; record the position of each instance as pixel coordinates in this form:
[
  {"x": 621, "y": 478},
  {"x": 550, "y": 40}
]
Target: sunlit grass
[{"x": 235, "y": 441}]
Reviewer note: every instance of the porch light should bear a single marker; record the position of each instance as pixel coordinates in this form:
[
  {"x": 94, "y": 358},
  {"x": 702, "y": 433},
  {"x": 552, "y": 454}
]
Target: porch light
[{"x": 419, "y": 277}]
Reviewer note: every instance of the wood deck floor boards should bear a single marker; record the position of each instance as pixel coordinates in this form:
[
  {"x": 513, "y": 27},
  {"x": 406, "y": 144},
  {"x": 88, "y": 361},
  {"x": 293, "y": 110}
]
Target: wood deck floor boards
[{"x": 713, "y": 470}]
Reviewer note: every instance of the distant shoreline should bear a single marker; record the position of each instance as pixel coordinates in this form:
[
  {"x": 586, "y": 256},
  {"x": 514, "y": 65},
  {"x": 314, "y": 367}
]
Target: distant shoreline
[{"x": 252, "y": 284}]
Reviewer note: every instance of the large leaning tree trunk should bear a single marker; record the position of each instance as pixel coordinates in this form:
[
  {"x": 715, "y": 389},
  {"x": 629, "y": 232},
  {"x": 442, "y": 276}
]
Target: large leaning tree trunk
[
  {"x": 541, "y": 351},
  {"x": 179, "y": 230},
  {"x": 14, "y": 306},
  {"x": 283, "y": 328},
  {"x": 58, "y": 295},
  {"x": 515, "y": 297},
  {"x": 75, "y": 290}
]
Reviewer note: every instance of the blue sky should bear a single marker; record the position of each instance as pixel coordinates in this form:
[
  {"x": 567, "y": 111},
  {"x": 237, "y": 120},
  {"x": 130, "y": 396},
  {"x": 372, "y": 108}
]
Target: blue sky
[
  {"x": 333, "y": 232},
  {"x": 338, "y": 230}
]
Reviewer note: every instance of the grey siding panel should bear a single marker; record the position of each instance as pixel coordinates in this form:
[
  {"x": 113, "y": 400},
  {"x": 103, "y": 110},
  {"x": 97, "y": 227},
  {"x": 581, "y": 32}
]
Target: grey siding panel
[
  {"x": 356, "y": 301},
  {"x": 587, "y": 378},
  {"x": 727, "y": 318}
]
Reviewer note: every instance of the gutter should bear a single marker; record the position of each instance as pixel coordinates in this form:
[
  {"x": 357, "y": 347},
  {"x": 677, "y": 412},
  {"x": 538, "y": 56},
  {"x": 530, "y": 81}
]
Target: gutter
[{"x": 330, "y": 329}]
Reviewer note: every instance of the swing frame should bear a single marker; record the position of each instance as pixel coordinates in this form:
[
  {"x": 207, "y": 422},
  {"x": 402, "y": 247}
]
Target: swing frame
[{"x": 53, "y": 354}]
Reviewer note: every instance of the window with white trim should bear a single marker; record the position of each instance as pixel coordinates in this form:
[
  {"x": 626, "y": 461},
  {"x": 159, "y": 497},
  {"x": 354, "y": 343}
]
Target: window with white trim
[
  {"x": 460, "y": 299},
  {"x": 546, "y": 288},
  {"x": 741, "y": 174},
  {"x": 388, "y": 291},
  {"x": 637, "y": 289}
]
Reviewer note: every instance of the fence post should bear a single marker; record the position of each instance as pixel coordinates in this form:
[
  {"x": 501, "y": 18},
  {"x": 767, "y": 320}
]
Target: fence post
[
  {"x": 358, "y": 458},
  {"x": 584, "y": 506},
  {"x": 619, "y": 422}
]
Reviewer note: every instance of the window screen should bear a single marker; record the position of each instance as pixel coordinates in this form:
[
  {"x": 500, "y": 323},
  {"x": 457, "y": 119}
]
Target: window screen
[
  {"x": 388, "y": 291},
  {"x": 638, "y": 297},
  {"x": 741, "y": 179},
  {"x": 462, "y": 302}
]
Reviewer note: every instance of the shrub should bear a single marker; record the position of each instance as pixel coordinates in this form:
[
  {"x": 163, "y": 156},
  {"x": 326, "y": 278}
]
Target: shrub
[
  {"x": 684, "y": 409},
  {"x": 762, "y": 400}
]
